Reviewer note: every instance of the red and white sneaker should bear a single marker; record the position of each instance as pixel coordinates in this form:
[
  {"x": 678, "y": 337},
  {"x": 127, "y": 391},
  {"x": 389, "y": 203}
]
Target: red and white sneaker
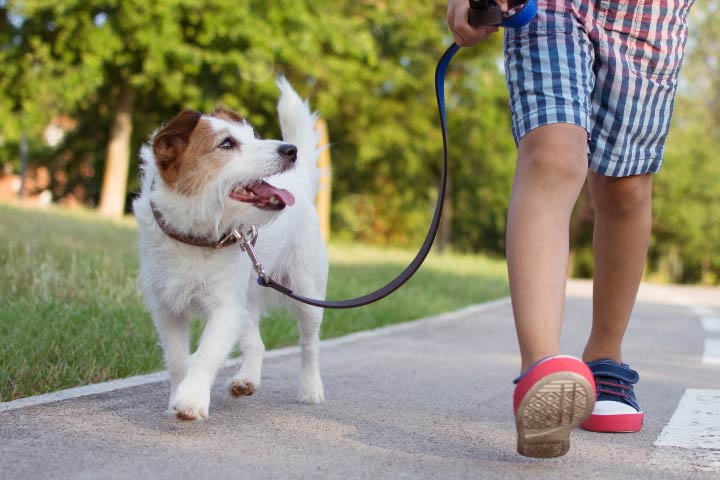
[
  {"x": 551, "y": 398},
  {"x": 616, "y": 408}
]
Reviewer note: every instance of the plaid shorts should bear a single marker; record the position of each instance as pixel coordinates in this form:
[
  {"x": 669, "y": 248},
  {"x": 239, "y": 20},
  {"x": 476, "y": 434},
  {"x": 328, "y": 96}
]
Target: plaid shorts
[{"x": 610, "y": 67}]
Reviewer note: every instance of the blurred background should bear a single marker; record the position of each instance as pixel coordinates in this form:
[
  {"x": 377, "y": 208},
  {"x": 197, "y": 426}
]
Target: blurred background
[{"x": 84, "y": 83}]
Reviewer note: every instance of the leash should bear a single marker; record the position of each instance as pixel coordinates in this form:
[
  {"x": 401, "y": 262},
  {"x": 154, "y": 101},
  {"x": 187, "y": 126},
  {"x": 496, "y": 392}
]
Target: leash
[
  {"x": 482, "y": 12},
  {"x": 382, "y": 292}
]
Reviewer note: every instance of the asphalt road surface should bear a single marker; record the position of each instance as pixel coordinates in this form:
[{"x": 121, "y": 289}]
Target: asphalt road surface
[{"x": 428, "y": 399}]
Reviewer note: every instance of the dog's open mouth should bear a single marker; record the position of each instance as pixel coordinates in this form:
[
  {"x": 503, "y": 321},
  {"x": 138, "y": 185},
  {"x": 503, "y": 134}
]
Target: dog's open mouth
[{"x": 263, "y": 195}]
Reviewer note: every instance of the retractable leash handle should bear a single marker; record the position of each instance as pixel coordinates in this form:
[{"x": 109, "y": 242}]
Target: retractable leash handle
[
  {"x": 488, "y": 13},
  {"x": 523, "y": 13}
]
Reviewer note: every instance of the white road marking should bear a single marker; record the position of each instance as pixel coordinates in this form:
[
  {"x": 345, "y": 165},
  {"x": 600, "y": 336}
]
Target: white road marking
[
  {"x": 712, "y": 352},
  {"x": 700, "y": 460},
  {"x": 711, "y": 324},
  {"x": 695, "y": 426},
  {"x": 701, "y": 311},
  {"x": 695, "y": 423},
  {"x": 281, "y": 352}
]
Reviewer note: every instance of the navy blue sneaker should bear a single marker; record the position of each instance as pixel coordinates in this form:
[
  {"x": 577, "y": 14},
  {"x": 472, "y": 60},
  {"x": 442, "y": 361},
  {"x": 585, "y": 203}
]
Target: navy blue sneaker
[{"x": 616, "y": 408}]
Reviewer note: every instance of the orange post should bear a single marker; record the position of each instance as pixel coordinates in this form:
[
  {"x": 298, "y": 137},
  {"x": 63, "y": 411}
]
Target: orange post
[{"x": 322, "y": 202}]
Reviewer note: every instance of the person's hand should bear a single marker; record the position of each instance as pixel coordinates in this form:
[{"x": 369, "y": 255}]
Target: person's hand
[{"x": 457, "y": 18}]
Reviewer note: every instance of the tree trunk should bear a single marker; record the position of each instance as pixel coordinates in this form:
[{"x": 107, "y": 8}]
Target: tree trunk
[
  {"x": 324, "y": 195},
  {"x": 445, "y": 230},
  {"x": 112, "y": 195}
]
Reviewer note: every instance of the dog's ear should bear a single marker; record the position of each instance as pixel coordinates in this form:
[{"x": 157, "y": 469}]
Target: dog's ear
[
  {"x": 227, "y": 114},
  {"x": 172, "y": 139}
]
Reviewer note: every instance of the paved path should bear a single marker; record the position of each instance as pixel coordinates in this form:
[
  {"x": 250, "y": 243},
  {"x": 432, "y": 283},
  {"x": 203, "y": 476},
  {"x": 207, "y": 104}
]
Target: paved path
[{"x": 431, "y": 399}]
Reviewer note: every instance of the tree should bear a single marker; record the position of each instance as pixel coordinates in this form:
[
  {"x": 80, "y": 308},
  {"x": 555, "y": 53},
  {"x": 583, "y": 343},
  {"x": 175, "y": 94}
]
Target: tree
[
  {"x": 372, "y": 79},
  {"x": 687, "y": 192},
  {"x": 121, "y": 68}
]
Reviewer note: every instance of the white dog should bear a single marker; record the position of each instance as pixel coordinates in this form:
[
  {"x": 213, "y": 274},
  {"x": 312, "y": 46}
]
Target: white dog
[{"x": 202, "y": 176}]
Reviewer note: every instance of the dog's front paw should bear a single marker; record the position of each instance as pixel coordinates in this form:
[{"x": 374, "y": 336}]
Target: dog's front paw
[
  {"x": 241, "y": 387},
  {"x": 312, "y": 393},
  {"x": 190, "y": 402}
]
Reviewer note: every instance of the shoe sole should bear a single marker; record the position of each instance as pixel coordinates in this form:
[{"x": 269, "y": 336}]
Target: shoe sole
[
  {"x": 549, "y": 411},
  {"x": 621, "y": 423}
]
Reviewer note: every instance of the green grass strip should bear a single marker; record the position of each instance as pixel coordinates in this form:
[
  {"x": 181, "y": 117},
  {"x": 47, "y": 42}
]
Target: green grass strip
[{"x": 71, "y": 312}]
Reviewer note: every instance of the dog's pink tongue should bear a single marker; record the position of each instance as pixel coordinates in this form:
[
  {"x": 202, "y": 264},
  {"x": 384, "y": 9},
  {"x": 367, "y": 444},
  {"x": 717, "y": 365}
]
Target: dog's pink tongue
[{"x": 265, "y": 190}]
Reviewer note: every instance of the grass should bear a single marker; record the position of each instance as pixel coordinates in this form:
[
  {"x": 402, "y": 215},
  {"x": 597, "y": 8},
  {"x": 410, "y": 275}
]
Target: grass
[{"x": 71, "y": 313}]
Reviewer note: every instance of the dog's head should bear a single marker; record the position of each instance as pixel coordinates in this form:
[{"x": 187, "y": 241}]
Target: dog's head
[{"x": 219, "y": 156}]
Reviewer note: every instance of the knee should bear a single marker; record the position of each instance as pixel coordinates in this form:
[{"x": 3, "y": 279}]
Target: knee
[
  {"x": 556, "y": 155},
  {"x": 556, "y": 171},
  {"x": 621, "y": 196}
]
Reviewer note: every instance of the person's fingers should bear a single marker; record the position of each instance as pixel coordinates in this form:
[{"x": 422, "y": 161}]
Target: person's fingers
[
  {"x": 463, "y": 33},
  {"x": 477, "y": 36},
  {"x": 451, "y": 15}
]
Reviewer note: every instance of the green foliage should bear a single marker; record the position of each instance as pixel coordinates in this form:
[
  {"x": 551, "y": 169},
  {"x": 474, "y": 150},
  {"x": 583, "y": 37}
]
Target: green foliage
[
  {"x": 687, "y": 191},
  {"x": 482, "y": 150},
  {"x": 368, "y": 68}
]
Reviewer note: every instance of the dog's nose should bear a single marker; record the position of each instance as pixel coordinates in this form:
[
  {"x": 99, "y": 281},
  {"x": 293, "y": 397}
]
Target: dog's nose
[{"x": 288, "y": 152}]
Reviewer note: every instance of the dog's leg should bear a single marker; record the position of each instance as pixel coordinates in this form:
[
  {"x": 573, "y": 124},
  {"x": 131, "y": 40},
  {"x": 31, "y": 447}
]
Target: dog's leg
[
  {"x": 192, "y": 398},
  {"x": 174, "y": 332},
  {"x": 247, "y": 380},
  {"x": 311, "y": 387}
]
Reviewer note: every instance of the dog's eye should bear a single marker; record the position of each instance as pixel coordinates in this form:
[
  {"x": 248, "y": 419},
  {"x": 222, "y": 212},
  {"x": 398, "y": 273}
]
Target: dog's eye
[{"x": 227, "y": 144}]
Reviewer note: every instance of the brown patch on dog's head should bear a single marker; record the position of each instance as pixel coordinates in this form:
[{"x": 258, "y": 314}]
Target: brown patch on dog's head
[
  {"x": 226, "y": 114},
  {"x": 186, "y": 154}
]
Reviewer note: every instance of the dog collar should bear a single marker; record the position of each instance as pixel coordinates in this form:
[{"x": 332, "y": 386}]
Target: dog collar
[{"x": 227, "y": 239}]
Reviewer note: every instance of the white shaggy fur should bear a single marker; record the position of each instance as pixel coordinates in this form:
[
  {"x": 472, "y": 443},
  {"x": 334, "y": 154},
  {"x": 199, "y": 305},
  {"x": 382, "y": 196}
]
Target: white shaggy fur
[{"x": 180, "y": 281}]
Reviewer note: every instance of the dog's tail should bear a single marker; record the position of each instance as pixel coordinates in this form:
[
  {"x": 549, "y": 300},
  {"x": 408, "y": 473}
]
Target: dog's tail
[{"x": 297, "y": 123}]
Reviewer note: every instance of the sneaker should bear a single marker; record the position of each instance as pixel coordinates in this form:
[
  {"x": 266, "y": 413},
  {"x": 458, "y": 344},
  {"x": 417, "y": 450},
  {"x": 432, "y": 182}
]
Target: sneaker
[
  {"x": 616, "y": 409},
  {"x": 551, "y": 398}
]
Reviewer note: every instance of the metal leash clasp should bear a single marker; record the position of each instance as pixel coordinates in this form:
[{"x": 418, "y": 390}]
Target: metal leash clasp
[
  {"x": 246, "y": 245},
  {"x": 235, "y": 236}
]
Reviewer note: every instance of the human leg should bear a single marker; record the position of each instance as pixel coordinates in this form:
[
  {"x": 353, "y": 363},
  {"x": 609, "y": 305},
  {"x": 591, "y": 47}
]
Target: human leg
[
  {"x": 636, "y": 81},
  {"x": 621, "y": 237},
  {"x": 555, "y": 395},
  {"x": 550, "y": 78},
  {"x": 620, "y": 243},
  {"x": 550, "y": 172}
]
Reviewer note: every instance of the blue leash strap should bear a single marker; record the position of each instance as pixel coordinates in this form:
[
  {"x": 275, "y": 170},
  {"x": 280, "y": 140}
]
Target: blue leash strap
[{"x": 522, "y": 17}]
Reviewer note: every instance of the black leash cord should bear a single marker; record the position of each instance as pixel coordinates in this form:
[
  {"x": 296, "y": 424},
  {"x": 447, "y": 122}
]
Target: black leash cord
[
  {"x": 482, "y": 12},
  {"x": 413, "y": 267}
]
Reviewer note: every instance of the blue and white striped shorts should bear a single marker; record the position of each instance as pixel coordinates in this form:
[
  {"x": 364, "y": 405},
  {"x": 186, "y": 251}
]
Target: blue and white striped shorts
[{"x": 610, "y": 67}]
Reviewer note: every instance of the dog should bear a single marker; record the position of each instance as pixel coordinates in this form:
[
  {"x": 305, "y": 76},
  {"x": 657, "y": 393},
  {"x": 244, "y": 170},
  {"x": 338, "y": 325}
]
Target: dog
[{"x": 202, "y": 176}]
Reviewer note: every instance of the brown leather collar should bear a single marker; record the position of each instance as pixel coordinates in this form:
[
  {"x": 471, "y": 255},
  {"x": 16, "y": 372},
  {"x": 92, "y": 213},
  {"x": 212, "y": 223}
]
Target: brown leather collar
[{"x": 225, "y": 240}]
